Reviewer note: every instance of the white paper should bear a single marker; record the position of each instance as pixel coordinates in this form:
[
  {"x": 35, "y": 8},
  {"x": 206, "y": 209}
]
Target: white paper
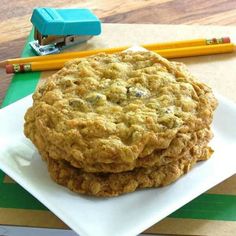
[{"x": 128, "y": 214}]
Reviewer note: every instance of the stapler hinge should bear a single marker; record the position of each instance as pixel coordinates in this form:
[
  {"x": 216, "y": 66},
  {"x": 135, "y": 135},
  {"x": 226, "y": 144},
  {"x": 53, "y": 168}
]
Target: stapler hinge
[{"x": 45, "y": 45}]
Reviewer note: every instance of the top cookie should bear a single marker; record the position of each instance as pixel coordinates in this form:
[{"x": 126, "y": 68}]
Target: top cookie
[{"x": 116, "y": 108}]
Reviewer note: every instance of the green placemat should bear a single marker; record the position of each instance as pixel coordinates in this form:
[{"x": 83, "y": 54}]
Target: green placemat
[{"x": 206, "y": 206}]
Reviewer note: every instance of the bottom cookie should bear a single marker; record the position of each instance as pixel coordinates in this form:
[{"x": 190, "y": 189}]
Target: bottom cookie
[{"x": 114, "y": 184}]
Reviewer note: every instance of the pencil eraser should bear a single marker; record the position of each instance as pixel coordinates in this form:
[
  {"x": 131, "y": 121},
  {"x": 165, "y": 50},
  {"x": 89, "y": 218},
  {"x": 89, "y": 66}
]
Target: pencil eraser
[
  {"x": 226, "y": 40},
  {"x": 9, "y": 69}
]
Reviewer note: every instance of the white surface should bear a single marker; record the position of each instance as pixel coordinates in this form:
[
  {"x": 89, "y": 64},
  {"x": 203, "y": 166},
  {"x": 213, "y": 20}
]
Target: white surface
[{"x": 129, "y": 214}]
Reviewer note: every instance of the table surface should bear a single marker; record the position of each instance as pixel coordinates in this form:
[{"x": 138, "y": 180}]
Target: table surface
[{"x": 15, "y": 15}]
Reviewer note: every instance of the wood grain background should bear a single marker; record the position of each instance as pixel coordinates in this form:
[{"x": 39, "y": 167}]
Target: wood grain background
[{"x": 15, "y": 18}]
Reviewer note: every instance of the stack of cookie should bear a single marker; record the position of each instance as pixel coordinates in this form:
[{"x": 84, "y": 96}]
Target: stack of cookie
[{"x": 111, "y": 124}]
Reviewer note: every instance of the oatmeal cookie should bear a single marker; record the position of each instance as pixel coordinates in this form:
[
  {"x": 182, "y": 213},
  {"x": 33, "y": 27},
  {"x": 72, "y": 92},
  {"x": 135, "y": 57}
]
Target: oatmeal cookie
[
  {"x": 115, "y": 110},
  {"x": 114, "y": 184},
  {"x": 178, "y": 147}
]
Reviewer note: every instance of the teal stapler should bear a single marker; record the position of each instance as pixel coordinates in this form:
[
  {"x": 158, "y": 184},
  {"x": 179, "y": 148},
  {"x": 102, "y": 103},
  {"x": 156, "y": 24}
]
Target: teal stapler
[{"x": 55, "y": 29}]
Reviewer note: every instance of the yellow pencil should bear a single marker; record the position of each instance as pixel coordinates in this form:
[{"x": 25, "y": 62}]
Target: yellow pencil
[
  {"x": 167, "y": 53},
  {"x": 154, "y": 46}
]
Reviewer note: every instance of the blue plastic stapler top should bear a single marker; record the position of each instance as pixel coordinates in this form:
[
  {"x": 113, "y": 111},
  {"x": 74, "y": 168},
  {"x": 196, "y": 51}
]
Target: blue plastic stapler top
[{"x": 76, "y": 21}]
